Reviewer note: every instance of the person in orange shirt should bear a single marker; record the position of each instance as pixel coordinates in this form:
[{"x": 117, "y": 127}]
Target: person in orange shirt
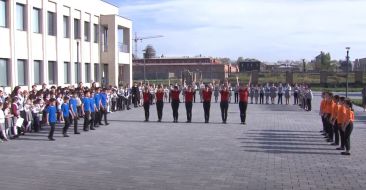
[
  {"x": 347, "y": 126},
  {"x": 326, "y": 114},
  {"x": 333, "y": 120},
  {"x": 340, "y": 118},
  {"x": 321, "y": 112}
]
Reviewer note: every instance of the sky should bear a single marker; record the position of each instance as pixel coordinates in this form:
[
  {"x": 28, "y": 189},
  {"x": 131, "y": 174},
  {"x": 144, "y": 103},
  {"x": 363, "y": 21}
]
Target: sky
[{"x": 268, "y": 30}]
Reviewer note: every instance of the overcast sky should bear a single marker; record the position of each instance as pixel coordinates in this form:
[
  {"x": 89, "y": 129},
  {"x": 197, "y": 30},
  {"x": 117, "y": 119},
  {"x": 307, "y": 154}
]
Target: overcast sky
[{"x": 268, "y": 30}]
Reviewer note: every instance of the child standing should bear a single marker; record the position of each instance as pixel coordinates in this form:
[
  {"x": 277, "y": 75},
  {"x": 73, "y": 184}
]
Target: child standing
[
  {"x": 347, "y": 126},
  {"x": 74, "y": 111},
  {"x": 52, "y": 117},
  {"x": 2, "y": 123},
  {"x": 65, "y": 115}
]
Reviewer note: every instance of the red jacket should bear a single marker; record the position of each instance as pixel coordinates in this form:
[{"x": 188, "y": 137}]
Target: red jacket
[
  {"x": 189, "y": 96},
  {"x": 159, "y": 96},
  {"x": 175, "y": 95},
  {"x": 243, "y": 95},
  {"x": 224, "y": 95},
  {"x": 207, "y": 95},
  {"x": 146, "y": 96}
]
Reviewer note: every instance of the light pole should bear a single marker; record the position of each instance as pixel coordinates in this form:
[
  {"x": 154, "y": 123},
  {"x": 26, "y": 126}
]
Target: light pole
[
  {"x": 144, "y": 56},
  {"x": 347, "y": 70}
]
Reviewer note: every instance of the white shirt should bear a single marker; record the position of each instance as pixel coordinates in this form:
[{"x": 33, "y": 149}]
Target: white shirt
[{"x": 2, "y": 117}]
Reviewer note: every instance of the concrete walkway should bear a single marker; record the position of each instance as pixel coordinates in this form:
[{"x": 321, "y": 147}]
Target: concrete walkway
[{"x": 280, "y": 148}]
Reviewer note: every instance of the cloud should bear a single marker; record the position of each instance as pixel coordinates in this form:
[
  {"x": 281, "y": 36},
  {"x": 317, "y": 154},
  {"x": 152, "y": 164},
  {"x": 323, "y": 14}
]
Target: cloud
[{"x": 265, "y": 29}]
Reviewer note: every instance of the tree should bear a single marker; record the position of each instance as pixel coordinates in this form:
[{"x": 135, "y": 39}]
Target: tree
[
  {"x": 240, "y": 59},
  {"x": 149, "y": 52}
]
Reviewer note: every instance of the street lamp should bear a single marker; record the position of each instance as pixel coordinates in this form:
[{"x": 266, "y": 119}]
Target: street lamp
[
  {"x": 144, "y": 56},
  {"x": 347, "y": 70}
]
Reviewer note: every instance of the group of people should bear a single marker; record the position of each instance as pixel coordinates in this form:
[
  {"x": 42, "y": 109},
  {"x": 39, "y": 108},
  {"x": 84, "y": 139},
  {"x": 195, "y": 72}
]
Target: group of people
[
  {"x": 337, "y": 117},
  {"x": 25, "y": 111}
]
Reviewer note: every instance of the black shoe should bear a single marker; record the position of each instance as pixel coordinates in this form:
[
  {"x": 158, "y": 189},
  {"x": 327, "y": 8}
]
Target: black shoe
[
  {"x": 77, "y": 133},
  {"x": 339, "y": 148},
  {"x": 334, "y": 144},
  {"x": 146, "y": 120},
  {"x": 65, "y": 135},
  {"x": 244, "y": 123},
  {"x": 85, "y": 130},
  {"x": 92, "y": 128},
  {"x": 51, "y": 139},
  {"x": 101, "y": 124},
  {"x": 329, "y": 140},
  {"x": 346, "y": 153},
  {"x": 107, "y": 124}
]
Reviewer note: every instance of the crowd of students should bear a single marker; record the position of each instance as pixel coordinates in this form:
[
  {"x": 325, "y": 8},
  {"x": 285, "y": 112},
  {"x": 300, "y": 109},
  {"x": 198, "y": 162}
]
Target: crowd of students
[
  {"x": 24, "y": 112},
  {"x": 337, "y": 117}
]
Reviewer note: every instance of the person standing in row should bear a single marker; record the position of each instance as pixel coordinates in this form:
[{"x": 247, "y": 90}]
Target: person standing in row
[
  {"x": 85, "y": 107},
  {"x": 296, "y": 94},
  {"x": 280, "y": 93},
  {"x": 347, "y": 117},
  {"x": 93, "y": 110},
  {"x": 243, "y": 101},
  {"x": 267, "y": 92},
  {"x": 207, "y": 95},
  {"x": 189, "y": 97},
  {"x": 74, "y": 113},
  {"x": 52, "y": 118},
  {"x": 224, "y": 104},
  {"x": 65, "y": 109},
  {"x": 103, "y": 99},
  {"x": 97, "y": 100},
  {"x": 261, "y": 94},
  {"x": 135, "y": 95},
  {"x": 287, "y": 94},
  {"x": 159, "y": 102},
  {"x": 146, "y": 96},
  {"x": 333, "y": 119},
  {"x": 273, "y": 90},
  {"x": 175, "y": 92}
]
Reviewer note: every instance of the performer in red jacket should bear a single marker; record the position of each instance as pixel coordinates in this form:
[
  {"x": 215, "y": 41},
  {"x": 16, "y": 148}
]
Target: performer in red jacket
[
  {"x": 175, "y": 92},
  {"x": 224, "y": 104},
  {"x": 207, "y": 94},
  {"x": 189, "y": 99},
  {"x": 146, "y": 96},
  {"x": 159, "y": 102},
  {"x": 243, "y": 99}
]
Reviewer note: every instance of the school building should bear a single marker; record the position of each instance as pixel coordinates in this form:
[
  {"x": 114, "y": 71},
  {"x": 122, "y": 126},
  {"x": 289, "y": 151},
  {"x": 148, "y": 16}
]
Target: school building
[{"x": 63, "y": 42}]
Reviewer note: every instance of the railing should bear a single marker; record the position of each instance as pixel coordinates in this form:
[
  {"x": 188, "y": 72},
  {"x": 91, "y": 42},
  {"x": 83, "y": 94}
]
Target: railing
[{"x": 125, "y": 48}]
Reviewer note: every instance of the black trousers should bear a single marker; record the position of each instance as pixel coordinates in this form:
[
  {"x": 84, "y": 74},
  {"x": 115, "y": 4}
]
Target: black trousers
[
  {"x": 347, "y": 136},
  {"x": 189, "y": 106},
  {"x": 224, "y": 106},
  {"x": 194, "y": 96},
  {"x": 336, "y": 133},
  {"x": 261, "y": 98},
  {"x": 175, "y": 107},
  {"x": 114, "y": 106},
  {"x": 67, "y": 125},
  {"x": 134, "y": 100},
  {"x": 75, "y": 120},
  {"x": 206, "y": 109},
  {"x": 236, "y": 95},
  {"x": 36, "y": 124},
  {"x": 98, "y": 117},
  {"x": 86, "y": 120},
  {"x": 279, "y": 98},
  {"x": 92, "y": 119},
  {"x": 159, "y": 108},
  {"x": 103, "y": 114},
  {"x": 52, "y": 125},
  {"x": 243, "y": 111},
  {"x": 147, "y": 110},
  {"x": 296, "y": 98},
  {"x": 328, "y": 127},
  {"x": 308, "y": 103}
]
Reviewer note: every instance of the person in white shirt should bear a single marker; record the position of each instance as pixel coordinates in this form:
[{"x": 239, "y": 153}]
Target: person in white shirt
[{"x": 2, "y": 122}]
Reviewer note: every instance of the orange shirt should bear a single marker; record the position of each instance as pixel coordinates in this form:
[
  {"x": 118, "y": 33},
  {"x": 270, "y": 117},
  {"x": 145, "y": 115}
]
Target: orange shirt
[
  {"x": 322, "y": 105},
  {"x": 328, "y": 107},
  {"x": 341, "y": 115},
  {"x": 350, "y": 115}
]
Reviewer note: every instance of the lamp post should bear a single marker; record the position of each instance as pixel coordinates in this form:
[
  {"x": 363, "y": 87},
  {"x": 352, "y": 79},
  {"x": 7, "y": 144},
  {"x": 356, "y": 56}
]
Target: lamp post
[
  {"x": 347, "y": 70},
  {"x": 144, "y": 56}
]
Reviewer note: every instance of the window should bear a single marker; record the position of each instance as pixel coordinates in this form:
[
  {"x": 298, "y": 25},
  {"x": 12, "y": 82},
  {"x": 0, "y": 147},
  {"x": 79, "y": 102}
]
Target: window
[
  {"x": 77, "y": 72},
  {"x": 96, "y": 72},
  {"x": 87, "y": 72},
  {"x": 36, "y": 20},
  {"x": 20, "y": 17},
  {"x": 105, "y": 39},
  {"x": 52, "y": 24},
  {"x": 37, "y": 72},
  {"x": 3, "y": 72},
  {"x": 3, "y": 13},
  {"x": 87, "y": 31},
  {"x": 66, "y": 27},
  {"x": 21, "y": 73},
  {"x": 76, "y": 28},
  {"x": 67, "y": 72},
  {"x": 96, "y": 33},
  {"x": 52, "y": 71}
]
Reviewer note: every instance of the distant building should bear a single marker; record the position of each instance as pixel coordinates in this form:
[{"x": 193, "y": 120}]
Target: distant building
[
  {"x": 245, "y": 66},
  {"x": 360, "y": 65},
  {"x": 165, "y": 68}
]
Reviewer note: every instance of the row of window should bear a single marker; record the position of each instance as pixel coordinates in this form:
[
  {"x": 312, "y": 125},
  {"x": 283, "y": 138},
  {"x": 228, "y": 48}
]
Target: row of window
[
  {"x": 21, "y": 23},
  {"x": 38, "y": 71}
]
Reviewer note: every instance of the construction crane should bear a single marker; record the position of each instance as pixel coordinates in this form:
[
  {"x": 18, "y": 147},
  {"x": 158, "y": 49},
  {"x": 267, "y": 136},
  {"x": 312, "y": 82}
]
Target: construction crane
[{"x": 137, "y": 39}]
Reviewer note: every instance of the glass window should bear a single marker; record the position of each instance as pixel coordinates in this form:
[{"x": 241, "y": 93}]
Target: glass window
[
  {"x": 96, "y": 33},
  {"x": 67, "y": 72},
  {"x": 87, "y": 31},
  {"x": 36, "y": 20},
  {"x": 76, "y": 28},
  {"x": 66, "y": 27},
  {"x": 21, "y": 73},
  {"x": 3, "y": 13},
  {"x": 52, "y": 24},
  {"x": 105, "y": 39},
  {"x": 77, "y": 72},
  {"x": 87, "y": 72},
  {"x": 96, "y": 72},
  {"x": 3, "y": 72},
  {"x": 52, "y": 71},
  {"x": 20, "y": 24},
  {"x": 37, "y": 72}
]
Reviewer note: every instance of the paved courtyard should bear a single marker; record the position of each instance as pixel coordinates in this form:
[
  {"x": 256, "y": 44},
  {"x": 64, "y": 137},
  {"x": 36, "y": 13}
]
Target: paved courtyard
[{"x": 280, "y": 148}]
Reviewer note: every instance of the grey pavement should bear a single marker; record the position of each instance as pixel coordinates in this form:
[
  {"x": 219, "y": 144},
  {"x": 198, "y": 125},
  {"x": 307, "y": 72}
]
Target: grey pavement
[{"x": 280, "y": 148}]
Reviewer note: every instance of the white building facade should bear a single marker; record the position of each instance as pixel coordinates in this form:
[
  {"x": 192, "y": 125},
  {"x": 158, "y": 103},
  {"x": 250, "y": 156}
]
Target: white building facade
[{"x": 63, "y": 42}]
